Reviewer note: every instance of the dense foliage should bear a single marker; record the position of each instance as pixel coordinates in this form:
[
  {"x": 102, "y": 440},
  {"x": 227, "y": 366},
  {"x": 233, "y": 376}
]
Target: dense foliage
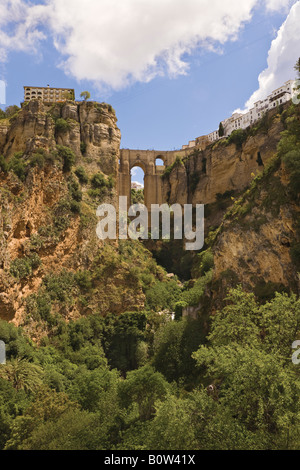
[{"x": 145, "y": 381}]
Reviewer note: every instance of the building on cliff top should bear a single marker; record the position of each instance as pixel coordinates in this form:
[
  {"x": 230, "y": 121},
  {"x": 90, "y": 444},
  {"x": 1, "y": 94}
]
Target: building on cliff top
[
  {"x": 47, "y": 94},
  {"x": 241, "y": 121}
]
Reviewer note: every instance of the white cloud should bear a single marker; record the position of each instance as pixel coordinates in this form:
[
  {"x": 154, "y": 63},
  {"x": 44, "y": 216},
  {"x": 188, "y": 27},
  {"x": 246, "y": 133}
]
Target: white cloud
[
  {"x": 117, "y": 42},
  {"x": 274, "y": 5},
  {"x": 282, "y": 57},
  {"x": 134, "y": 171},
  {"x": 18, "y": 27}
]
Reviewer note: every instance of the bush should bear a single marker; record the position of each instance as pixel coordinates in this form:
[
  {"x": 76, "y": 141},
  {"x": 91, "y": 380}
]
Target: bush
[
  {"x": 18, "y": 166},
  {"x": 62, "y": 125},
  {"x": 81, "y": 175},
  {"x": 75, "y": 191},
  {"x": 11, "y": 111},
  {"x": 98, "y": 181},
  {"x": 178, "y": 162},
  {"x": 60, "y": 286},
  {"x": 68, "y": 157},
  {"x": 238, "y": 137},
  {"x": 38, "y": 159},
  {"x": 111, "y": 182},
  {"x": 75, "y": 207},
  {"x": 3, "y": 164},
  {"x": 83, "y": 147},
  {"x": 21, "y": 268},
  {"x": 206, "y": 262},
  {"x": 84, "y": 280}
]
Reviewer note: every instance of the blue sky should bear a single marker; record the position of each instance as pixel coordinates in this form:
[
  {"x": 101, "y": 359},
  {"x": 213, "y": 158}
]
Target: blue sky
[{"x": 170, "y": 80}]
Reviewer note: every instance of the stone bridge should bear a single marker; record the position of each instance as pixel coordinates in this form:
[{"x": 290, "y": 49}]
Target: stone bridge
[{"x": 146, "y": 160}]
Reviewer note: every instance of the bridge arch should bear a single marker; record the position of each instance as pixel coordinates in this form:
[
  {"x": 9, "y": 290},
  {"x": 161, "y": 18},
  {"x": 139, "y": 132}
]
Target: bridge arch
[{"x": 146, "y": 160}]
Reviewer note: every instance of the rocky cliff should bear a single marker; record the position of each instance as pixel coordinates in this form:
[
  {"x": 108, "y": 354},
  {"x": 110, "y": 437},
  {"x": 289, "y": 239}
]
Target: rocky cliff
[
  {"x": 56, "y": 165},
  {"x": 227, "y": 165},
  {"x": 249, "y": 184}
]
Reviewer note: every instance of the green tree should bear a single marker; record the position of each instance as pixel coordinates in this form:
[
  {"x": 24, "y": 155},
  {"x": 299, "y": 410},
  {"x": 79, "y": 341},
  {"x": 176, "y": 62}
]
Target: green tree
[
  {"x": 22, "y": 374},
  {"x": 237, "y": 322},
  {"x": 10, "y": 111},
  {"x": 256, "y": 388},
  {"x": 143, "y": 387},
  {"x": 221, "y": 130},
  {"x": 85, "y": 95}
]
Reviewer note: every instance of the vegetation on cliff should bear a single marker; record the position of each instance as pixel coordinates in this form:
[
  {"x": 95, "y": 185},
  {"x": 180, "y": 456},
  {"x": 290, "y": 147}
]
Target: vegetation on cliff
[{"x": 105, "y": 348}]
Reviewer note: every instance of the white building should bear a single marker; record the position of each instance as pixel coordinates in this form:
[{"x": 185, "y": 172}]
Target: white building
[
  {"x": 243, "y": 120},
  {"x": 136, "y": 185}
]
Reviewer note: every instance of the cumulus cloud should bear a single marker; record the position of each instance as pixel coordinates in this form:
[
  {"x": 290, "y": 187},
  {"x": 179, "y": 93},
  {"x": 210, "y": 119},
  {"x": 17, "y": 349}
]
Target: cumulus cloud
[
  {"x": 274, "y": 5},
  {"x": 282, "y": 57},
  {"x": 117, "y": 42},
  {"x": 19, "y": 27}
]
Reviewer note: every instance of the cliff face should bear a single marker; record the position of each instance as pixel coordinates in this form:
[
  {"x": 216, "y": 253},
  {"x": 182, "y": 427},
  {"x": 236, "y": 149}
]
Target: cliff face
[
  {"x": 221, "y": 167},
  {"x": 252, "y": 214},
  {"x": 58, "y": 163},
  {"x": 92, "y": 125},
  {"x": 51, "y": 261},
  {"x": 255, "y": 242}
]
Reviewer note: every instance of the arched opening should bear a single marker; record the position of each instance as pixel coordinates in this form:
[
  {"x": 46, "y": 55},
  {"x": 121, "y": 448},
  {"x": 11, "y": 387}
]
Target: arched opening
[
  {"x": 159, "y": 161},
  {"x": 137, "y": 176}
]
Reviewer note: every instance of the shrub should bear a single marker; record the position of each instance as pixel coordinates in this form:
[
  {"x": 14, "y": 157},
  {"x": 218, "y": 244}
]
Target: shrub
[
  {"x": 38, "y": 159},
  {"x": 11, "y": 111},
  {"x": 137, "y": 196},
  {"x": 68, "y": 157},
  {"x": 83, "y": 147},
  {"x": 98, "y": 181},
  {"x": 238, "y": 137},
  {"x": 178, "y": 162},
  {"x": 75, "y": 207},
  {"x": 3, "y": 164},
  {"x": 81, "y": 175},
  {"x": 97, "y": 193},
  {"x": 265, "y": 291},
  {"x": 206, "y": 262},
  {"x": 62, "y": 125},
  {"x": 75, "y": 191},
  {"x": 35, "y": 261},
  {"x": 59, "y": 287},
  {"x": 17, "y": 165},
  {"x": 21, "y": 268},
  {"x": 84, "y": 280},
  {"x": 111, "y": 182}
]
